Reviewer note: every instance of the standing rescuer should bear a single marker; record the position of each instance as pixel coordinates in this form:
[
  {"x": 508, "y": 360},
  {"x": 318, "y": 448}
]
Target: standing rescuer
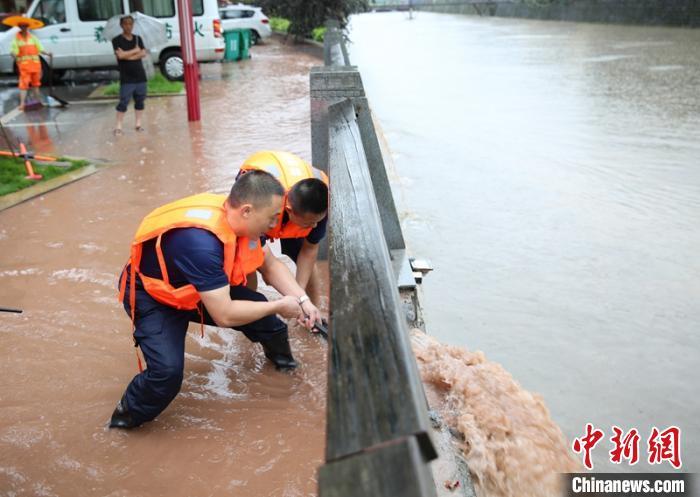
[
  {"x": 188, "y": 263},
  {"x": 26, "y": 49},
  {"x": 302, "y": 223}
]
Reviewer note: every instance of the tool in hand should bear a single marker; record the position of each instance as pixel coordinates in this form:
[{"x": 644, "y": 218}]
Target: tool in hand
[
  {"x": 53, "y": 100},
  {"x": 321, "y": 328}
]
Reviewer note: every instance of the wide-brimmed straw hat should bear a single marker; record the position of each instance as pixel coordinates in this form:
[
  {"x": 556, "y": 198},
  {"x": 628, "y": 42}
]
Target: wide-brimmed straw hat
[{"x": 16, "y": 21}]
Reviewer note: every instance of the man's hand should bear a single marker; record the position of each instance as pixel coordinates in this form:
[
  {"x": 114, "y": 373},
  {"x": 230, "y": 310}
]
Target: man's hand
[
  {"x": 311, "y": 315},
  {"x": 288, "y": 307}
]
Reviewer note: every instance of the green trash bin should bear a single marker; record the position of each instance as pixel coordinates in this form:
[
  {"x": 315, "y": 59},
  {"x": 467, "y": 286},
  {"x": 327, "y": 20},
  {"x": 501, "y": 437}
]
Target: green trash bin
[
  {"x": 245, "y": 43},
  {"x": 232, "y": 39}
]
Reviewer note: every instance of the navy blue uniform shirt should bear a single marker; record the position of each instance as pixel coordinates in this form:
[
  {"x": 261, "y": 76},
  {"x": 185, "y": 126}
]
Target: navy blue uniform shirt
[{"x": 192, "y": 255}]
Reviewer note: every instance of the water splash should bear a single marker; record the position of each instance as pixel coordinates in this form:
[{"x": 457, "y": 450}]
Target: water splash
[{"x": 510, "y": 443}]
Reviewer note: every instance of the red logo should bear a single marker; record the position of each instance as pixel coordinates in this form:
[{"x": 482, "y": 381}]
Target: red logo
[
  {"x": 627, "y": 447},
  {"x": 665, "y": 446},
  {"x": 662, "y": 445},
  {"x": 587, "y": 443}
]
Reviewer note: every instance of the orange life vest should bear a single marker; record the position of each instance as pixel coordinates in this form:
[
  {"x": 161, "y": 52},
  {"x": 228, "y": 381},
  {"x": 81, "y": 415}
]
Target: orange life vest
[
  {"x": 28, "y": 56},
  {"x": 204, "y": 211},
  {"x": 289, "y": 170}
]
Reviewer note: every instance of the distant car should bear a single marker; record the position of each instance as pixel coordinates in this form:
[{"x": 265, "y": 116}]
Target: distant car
[{"x": 243, "y": 16}]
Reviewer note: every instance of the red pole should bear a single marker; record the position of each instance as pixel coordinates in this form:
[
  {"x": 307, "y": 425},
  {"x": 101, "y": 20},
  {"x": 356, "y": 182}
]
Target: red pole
[{"x": 189, "y": 58}]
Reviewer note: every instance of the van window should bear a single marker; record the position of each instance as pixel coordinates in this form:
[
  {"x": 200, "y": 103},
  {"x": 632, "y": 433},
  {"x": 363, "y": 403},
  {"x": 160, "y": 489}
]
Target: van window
[
  {"x": 155, "y": 8},
  {"x": 197, "y": 7},
  {"x": 51, "y": 12},
  {"x": 236, "y": 13},
  {"x": 99, "y": 10}
]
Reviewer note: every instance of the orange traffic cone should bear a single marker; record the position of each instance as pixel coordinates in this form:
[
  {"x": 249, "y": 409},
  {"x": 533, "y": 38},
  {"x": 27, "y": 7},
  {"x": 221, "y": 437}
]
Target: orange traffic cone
[{"x": 27, "y": 164}]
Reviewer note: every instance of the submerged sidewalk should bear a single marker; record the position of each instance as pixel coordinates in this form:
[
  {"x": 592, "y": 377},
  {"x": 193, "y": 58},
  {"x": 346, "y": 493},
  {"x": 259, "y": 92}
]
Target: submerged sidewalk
[{"x": 238, "y": 426}]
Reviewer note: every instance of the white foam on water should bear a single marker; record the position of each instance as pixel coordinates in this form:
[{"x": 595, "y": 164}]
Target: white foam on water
[
  {"x": 22, "y": 436},
  {"x": 663, "y": 68},
  {"x": 20, "y": 272},
  {"x": 234, "y": 484},
  {"x": 68, "y": 462},
  {"x": 640, "y": 44},
  {"x": 264, "y": 468},
  {"x": 204, "y": 423},
  {"x": 13, "y": 474},
  {"x": 606, "y": 58},
  {"x": 218, "y": 380},
  {"x": 41, "y": 489},
  {"x": 85, "y": 276},
  {"x": 91, "y": 248}
]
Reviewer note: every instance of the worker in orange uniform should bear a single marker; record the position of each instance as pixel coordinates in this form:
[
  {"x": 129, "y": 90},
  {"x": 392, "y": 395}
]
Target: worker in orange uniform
[
  {"x": 26, "y": 49},
  {"x": 188, "y": 262},
  {"x": 302, "y": 223}
]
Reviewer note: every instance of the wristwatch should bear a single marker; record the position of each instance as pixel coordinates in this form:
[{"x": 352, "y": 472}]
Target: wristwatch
[{"x": 303, "y": 299}]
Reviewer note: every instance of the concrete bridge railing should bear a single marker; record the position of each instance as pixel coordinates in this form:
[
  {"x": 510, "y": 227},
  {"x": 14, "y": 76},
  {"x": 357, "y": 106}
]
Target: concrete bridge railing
[{"x": 379, "y": 439}]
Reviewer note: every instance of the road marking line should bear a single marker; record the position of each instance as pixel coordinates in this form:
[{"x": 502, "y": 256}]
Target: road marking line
[
  {"x": 10, "y": 115},
  {"x": 46, "y": 123}
]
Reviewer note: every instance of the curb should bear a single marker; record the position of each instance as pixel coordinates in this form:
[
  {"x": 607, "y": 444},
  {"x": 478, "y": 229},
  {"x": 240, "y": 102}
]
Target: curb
[
  {"x": 96, "y": 94},
  {"x": 12, "y": 199},
  {"x": 287, "y": 39}
]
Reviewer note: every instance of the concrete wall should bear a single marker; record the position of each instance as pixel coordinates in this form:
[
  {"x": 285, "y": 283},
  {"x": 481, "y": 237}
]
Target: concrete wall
[{"x": 648, "y": 12}]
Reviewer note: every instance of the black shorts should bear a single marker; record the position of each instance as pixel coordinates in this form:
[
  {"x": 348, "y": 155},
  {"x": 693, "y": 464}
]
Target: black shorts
[{"x": 126, "y": 91}]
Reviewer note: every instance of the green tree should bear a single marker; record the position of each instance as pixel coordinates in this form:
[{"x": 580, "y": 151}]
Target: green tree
[{"x": 305, "y": 15}]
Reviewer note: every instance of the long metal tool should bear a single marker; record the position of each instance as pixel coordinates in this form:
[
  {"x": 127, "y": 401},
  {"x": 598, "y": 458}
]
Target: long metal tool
[
  {"x": 10, "y": 309},
  {"x": 60, "y": 101}
]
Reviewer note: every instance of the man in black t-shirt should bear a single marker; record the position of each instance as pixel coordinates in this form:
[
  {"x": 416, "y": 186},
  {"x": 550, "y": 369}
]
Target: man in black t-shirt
[{"x": 129, "y": 50}]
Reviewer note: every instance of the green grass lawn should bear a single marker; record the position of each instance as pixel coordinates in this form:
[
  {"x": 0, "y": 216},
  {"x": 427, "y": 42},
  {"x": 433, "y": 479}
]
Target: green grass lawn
[
  {"x": 157, "y": 84},
  {"x": 12, "y": 173},
  {"x": 279, "y": 24}
]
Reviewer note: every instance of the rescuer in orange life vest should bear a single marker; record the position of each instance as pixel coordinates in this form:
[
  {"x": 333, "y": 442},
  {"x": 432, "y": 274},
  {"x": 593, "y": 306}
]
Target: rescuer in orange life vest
[
  {"x": 188, "y": 263},
  {"x": 302, "y": 222},
  {"x": 26, "y": 49}
]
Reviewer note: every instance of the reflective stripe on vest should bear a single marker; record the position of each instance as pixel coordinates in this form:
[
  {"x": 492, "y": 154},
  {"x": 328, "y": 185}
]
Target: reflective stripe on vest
[
  {"x": 28, "y": 51},
  {"x": 289, "y": 170},
  {"x": 205, "y": 211}
]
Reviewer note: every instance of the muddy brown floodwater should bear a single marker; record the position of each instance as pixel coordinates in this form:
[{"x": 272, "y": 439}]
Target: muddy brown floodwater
[{"x": 238, "y": 427}]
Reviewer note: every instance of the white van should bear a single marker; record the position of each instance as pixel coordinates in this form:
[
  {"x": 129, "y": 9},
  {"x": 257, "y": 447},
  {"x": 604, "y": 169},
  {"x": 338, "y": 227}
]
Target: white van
[{"x": 73, "y": 33}]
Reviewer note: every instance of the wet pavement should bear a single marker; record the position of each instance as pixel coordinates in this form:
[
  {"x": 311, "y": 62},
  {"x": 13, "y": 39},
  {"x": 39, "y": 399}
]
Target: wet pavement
[{"x": 238, "y": 426}]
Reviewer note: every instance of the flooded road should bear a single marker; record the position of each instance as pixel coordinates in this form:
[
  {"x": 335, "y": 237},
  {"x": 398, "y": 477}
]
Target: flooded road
[
  {"x": 238, "y": 426},
  {"x": 551, "y": 172}
]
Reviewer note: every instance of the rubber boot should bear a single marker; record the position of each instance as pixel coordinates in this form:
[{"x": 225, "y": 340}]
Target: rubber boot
[
  {"x": 278, "y": 351},
  {"x": 121, "y": 417}
]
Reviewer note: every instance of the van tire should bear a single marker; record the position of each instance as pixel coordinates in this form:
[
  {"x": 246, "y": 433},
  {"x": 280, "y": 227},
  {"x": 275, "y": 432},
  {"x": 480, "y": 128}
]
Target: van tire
[{"x": 172, "y": 66}]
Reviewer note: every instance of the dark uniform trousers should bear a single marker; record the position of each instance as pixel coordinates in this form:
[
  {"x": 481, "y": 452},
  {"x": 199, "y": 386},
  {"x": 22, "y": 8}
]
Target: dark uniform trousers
[{"x": 160, "y": 333}]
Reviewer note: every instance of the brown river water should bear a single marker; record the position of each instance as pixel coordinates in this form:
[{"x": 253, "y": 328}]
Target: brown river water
[{"x": 551, "y": 173}]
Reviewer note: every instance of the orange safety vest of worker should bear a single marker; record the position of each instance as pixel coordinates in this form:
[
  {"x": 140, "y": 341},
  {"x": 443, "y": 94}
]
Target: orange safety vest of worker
[
  {"x": 289, "y": 170},
  {"x": 28, "y": 56},
  {"x": 205, "y": 211}
]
